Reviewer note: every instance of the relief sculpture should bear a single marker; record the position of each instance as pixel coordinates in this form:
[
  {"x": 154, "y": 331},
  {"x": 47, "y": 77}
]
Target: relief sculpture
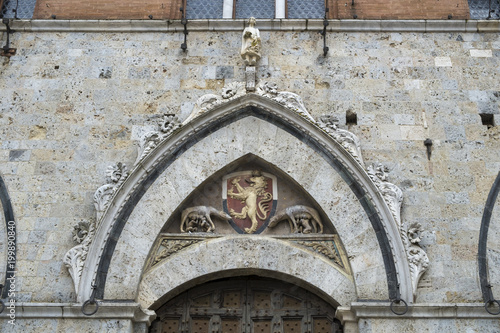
[
  {"x": 302, "y": 219},
  {"x": 197, "y": 219},
  {"x": 253, "y": 208}
]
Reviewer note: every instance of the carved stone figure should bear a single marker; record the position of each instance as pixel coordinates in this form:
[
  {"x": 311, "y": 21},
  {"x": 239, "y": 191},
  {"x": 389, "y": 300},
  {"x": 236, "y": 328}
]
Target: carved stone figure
[
  {"x": 302, "y": 219},
  {"x": 248, "y": 196},
  {"x": 348, "y": 140},
  {"x": 197, "y": 219},
  {"x": 250, "y": 44}
]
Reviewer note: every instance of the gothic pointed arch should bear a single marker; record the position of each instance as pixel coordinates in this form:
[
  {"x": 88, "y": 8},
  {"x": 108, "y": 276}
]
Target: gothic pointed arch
[{"x": 173, "y": 168}]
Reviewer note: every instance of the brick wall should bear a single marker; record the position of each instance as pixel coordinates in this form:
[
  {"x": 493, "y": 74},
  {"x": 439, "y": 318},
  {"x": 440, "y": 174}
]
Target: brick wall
[
  {"x": 108, "y": 9},
  {"x": 399, "y": 9},
  {"x": 169, "y": 9}
]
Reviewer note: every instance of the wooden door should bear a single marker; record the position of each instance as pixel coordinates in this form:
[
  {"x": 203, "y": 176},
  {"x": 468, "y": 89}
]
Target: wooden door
[{"x": 246, "y": 305}]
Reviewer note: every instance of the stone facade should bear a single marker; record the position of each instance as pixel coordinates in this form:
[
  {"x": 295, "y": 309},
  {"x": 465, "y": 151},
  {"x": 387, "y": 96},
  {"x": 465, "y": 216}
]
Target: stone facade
[{"x": 75, "y": 100}]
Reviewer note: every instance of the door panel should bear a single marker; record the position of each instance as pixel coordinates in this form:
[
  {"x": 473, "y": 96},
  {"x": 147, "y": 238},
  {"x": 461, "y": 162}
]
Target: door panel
[{"x": 246, "y": 305}]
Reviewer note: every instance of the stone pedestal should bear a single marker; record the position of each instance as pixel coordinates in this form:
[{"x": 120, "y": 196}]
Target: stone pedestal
[{"x": 250, "y": 78}]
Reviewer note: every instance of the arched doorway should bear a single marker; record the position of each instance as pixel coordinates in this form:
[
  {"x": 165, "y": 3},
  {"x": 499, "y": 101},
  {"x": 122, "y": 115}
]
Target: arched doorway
[{"x": 246, "y": 304}]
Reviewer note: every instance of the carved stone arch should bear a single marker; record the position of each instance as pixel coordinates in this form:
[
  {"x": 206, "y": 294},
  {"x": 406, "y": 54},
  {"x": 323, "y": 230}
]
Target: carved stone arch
[{"x": 129, "y": 226}]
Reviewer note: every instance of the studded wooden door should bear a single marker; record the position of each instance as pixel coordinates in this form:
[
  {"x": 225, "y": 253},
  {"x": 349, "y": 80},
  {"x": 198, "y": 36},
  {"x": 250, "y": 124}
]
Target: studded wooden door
[{"x": 246, "y": 305}]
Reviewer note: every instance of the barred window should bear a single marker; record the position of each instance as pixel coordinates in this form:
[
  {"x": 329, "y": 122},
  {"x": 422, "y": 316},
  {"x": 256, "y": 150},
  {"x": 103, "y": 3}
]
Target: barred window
[
  {"x": 203, "y": 9},
  {"x": 21, "y": 9},
  {"x": 484, "y": 9},
  {"x": 255, "y": 8},
  {"x": 295, "y": 9}
]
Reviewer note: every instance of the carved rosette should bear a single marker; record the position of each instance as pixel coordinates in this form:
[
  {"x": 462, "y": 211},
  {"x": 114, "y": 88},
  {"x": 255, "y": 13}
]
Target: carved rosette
[
  {"x": 74, "y": 259},
  {"x": 392, "y": 194},
  {"x": 349, "y": 141}
]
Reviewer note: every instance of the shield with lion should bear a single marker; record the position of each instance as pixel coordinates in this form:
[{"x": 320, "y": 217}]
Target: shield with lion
[{"x": 250, "y": 198}]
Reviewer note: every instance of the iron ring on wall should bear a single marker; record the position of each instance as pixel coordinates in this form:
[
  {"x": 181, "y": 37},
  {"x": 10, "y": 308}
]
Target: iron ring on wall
[
  {"x": 399, "y": 301},
  {"x": 90, "y": 301},
  {"x": 489, "y": 303}
]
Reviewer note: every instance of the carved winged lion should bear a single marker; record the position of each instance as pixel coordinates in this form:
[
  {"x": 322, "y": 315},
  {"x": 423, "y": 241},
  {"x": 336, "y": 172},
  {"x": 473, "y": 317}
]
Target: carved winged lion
[{"x": 302, "y": 219}]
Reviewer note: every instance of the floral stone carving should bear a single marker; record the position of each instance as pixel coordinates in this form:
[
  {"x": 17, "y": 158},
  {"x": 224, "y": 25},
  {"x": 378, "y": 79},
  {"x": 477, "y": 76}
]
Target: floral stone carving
[
  {"x": 237, "y": 89},
  {"x": 348, "y": 140},
  {"x": 326, "y": 248},
  {"x": 287, "y": 99},
  {"x": 207, "y": 102},
  {"x": 116, "y": 175},
  {"x": 167, "y": 125},
  {"x": 83, "y": 233},
  {"x": 417, "y": 258},
  {"x": 302, "y": 219},
  {"x": 391, "y": 193},
  {"x": 171, "y": 246}
]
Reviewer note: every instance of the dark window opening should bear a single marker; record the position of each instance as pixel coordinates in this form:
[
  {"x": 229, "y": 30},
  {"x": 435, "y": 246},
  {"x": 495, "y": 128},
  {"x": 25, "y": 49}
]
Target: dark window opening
[
  {"x": 351, "y": 118},
  {"x": 487, "y": 119}
]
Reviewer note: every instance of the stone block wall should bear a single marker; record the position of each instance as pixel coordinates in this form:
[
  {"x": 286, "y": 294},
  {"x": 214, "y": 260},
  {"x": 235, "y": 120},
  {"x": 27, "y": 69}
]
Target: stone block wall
[{"x": 73, "y": 103}]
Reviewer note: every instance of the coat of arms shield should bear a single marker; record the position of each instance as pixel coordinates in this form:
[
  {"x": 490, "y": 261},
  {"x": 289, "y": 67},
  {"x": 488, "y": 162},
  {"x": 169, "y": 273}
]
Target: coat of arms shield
[{"x": 250, "y": 198}]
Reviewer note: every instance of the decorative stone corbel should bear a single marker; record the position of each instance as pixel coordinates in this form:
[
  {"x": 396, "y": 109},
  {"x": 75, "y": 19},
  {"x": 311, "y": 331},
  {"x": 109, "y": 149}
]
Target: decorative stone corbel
[
  {"x": 116, "y": 175},
  {"x": 348, "y": 140},
  {"x": 83, "y": 233}
]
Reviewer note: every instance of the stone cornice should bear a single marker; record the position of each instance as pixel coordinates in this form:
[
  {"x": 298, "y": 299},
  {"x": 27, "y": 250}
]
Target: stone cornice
[
  {"x": 107, "y": 310},
  {"x": 359, "y": 310},
  {"x": 481, "y": 26}
]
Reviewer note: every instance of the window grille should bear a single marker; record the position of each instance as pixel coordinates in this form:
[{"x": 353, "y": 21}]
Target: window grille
[
  {"x": 204, "y": 9},
  {"x": 255, "y": 8},
  {"x": 481, "y": 10},
  {"x": 25, "y": 9},
  {"x": 306, "y": 9}
]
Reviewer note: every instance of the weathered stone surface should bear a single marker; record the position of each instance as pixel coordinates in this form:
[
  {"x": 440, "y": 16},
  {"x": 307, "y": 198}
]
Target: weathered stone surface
[{"x": 74, "y": 103}]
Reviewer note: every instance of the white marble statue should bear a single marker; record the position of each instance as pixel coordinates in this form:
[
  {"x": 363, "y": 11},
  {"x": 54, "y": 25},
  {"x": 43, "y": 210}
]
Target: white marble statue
[{"x": 250, "y": 44}]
